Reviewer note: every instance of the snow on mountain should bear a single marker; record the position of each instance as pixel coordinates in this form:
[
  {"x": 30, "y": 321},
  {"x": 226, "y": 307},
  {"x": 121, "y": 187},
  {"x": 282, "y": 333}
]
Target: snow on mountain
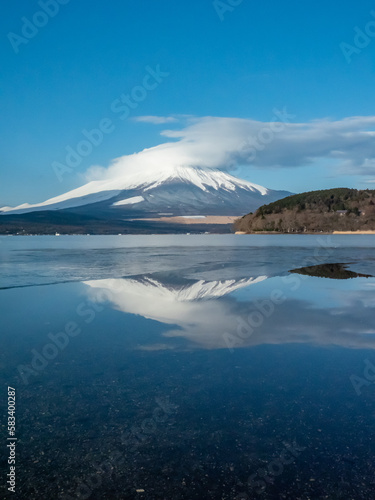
[
  {"x": 153, "y": 190},
  {"x": 185, "y": 292},
  {"x": 187, "y": 302},
  {"x": 67, "y": 200},
  {"x": 129, "y": 201}
]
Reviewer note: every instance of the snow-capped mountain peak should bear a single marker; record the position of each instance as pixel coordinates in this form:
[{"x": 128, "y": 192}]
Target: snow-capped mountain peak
[{"x": 181, "y": 190}]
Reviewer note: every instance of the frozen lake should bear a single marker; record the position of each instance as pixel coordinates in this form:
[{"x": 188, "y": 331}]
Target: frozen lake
[{"x": 190, "y": 367}]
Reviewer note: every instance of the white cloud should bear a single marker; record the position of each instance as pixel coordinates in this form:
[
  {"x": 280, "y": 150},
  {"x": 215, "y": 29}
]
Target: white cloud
[{"x": 224, "y": 143}]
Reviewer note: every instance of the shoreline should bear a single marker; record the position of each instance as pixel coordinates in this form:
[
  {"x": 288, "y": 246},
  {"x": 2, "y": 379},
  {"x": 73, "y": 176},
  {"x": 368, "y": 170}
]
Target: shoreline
[
  {"x": 257, "y": 233},
  {"x": 306, "y": 232},
  {"x": 354, "y": 232}
]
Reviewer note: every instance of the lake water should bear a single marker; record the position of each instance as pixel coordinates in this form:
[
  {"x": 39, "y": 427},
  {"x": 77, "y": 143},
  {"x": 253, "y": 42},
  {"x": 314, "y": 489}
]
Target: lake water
[{"x": 189, "y": 367}]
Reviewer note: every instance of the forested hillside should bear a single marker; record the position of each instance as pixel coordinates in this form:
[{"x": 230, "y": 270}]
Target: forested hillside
[{"x": 339, "y": 209}]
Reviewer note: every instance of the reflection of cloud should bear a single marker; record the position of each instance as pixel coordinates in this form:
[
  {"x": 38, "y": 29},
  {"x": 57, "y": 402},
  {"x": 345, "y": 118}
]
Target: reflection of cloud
[
  {"x": 362, "y": 299},
  {"x": 189, "y": 305},
  {"x": 300, "y": 322},
  {"x": 204, "y": 311}
]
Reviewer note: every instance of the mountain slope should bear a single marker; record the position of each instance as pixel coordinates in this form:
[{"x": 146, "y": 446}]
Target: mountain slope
[{"x": 178, "y": 191}]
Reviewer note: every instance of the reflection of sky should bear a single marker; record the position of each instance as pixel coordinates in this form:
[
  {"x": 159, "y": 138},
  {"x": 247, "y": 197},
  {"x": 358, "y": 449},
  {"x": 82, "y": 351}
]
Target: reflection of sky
[{"x": 320, "y": 311}]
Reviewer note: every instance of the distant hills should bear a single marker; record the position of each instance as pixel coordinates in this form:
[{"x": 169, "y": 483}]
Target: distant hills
[
  {"x": 339, "y": 209},
  {"x": 141, "y": 202}
]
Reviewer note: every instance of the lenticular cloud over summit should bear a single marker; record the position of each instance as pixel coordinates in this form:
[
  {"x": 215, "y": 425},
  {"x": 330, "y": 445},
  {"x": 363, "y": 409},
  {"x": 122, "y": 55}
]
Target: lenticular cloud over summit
[
  {"x": 190, "y": 172},
  {"x": 224, "y": 143}
]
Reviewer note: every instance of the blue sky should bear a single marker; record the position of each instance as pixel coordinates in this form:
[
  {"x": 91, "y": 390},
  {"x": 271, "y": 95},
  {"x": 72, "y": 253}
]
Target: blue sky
[{"x": 245, "y": 63}]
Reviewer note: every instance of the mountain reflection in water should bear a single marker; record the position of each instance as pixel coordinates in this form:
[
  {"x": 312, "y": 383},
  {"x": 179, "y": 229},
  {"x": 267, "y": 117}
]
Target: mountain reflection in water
[{"x": 245, "y": 312}]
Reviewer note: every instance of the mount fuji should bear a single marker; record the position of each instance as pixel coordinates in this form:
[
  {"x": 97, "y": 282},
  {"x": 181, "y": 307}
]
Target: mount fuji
[{"x": 178, "y": 191}]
